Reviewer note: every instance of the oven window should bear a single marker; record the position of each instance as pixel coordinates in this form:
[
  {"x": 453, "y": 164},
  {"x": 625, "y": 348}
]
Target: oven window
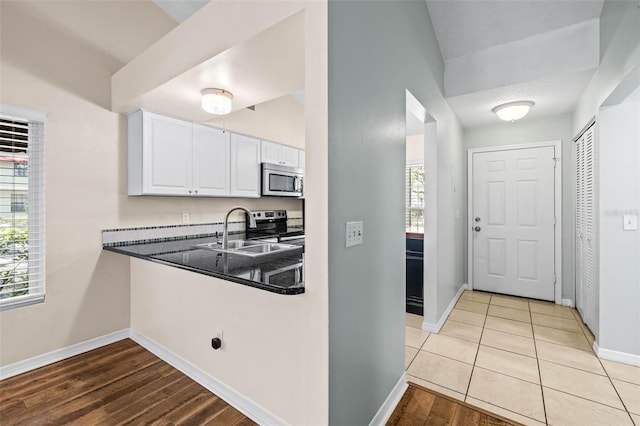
[{"x": 281, "y": 183}]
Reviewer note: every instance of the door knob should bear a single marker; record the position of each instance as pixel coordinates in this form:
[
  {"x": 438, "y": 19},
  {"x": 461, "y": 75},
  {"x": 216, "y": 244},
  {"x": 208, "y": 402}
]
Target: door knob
[{"x": 477, "y": 229}]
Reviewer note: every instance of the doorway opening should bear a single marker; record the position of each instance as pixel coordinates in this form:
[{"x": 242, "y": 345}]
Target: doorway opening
[{"x": 420, "y": 212}]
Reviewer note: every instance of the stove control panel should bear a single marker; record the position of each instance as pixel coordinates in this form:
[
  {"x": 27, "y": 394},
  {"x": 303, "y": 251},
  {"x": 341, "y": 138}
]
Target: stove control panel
[{"x": 269, "y": 215}]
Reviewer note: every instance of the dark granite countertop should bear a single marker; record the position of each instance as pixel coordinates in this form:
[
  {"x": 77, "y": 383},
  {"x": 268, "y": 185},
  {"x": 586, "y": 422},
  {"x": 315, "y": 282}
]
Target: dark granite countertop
[{"x": 281, "y": 274}]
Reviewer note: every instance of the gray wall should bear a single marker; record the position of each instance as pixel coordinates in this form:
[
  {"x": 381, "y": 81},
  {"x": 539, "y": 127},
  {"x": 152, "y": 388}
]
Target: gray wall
[
  {"x": 378, "y": 50},
  {"x": 618, "y": 156},
  {"x": 618, "y": 279},
  {"x": 541, "y": 130}
]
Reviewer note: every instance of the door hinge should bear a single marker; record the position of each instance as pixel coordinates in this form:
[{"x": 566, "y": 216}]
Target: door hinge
[
  {"x": 554, "y": 221},
  {"x": 555, "y": 161}
]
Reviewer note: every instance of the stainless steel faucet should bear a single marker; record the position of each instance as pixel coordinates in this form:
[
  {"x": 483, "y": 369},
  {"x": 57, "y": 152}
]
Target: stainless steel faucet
[{"x": 225, "y": 236}]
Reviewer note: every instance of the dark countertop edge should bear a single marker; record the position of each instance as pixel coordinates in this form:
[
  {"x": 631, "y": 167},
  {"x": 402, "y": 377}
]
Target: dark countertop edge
[{"x": 255, "y": 284}]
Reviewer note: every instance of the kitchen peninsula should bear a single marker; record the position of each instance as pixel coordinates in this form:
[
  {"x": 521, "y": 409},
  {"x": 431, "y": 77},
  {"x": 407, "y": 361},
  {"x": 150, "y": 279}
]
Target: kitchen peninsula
[{"x": 264, "y": 262}]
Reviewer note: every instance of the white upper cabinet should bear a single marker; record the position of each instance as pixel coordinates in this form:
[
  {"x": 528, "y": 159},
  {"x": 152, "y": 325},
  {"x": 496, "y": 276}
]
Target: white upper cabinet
[
  {"x": 245, "y": 166},
  {"x": 301, "y": 159},
  {"x": 211, "y": 161},
  {"x": 271, "y": 152},
  {"x": 289, "y": 156},
  {"x": 168, "y": 156},
  {"x": 280, "y": 154},
  {"x": 159, "y": 154}
]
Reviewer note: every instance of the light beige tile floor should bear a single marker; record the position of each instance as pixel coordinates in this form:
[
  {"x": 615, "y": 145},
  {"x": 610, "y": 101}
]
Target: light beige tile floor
[{"x": 527, "y": 360}]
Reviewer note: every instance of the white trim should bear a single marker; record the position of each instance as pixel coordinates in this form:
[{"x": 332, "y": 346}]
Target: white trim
[
  {"x": 435, "y": 328},
  {"x": 557, "y": 145},
  {"x": 247, "y": 407},
  {"x": 611, "y": 355},
  {"x": 21, "y": 113},
  {"x": 390, "y": 404},
  {"x": 568, "y": 302},
  {"x": 61, "y": 354},
  {"x": 20, "y": 301}
]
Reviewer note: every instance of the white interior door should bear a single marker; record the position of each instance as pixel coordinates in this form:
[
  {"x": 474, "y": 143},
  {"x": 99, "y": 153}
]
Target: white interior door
[{"x": 513, "y": 222}]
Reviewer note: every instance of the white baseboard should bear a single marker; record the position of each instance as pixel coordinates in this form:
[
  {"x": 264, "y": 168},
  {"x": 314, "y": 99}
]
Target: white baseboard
[
  {"x": 60, "y": 354},
  {"x": 568, "y": 302},
  {"x": 616, "y": 356},
  {"x": 247, "y": 407},
  {"x": 390, "y": 404},
  {"x": 435, "y": 328}
]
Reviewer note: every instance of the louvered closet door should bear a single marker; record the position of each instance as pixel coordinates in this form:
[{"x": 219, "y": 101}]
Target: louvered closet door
[
  {"x": 580, "y": 239},
  {"x": 586, "y": 278}
]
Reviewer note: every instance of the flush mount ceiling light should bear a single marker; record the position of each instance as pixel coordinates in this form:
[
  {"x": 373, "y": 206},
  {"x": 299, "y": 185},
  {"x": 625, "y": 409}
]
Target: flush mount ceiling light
[
  {"x": 216, "y": 101},
  {"x": 513, "y": 111}
]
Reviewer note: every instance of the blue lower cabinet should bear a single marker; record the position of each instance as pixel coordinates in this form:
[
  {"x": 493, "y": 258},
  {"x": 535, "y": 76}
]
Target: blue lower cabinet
[{"x": 415, "y": 276}]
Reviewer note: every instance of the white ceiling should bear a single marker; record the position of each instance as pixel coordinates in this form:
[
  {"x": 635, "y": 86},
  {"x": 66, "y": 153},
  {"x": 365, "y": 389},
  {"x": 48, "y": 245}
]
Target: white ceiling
[
  {"x": 124, "y": 29},
  {"x": 535, "y": 42},
  {"x": 463, "y": 27},
  {"x": 264, "y": 67},
  {"x": 553, "y": 96}
]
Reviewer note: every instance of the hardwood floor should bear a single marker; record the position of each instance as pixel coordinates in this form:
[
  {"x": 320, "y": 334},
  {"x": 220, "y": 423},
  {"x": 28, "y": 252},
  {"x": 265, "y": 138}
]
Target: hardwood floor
[
  {"x": 118, "y": 384},
  {"x": 421, "y": 406},
  {"x": 123, "y": 383}
]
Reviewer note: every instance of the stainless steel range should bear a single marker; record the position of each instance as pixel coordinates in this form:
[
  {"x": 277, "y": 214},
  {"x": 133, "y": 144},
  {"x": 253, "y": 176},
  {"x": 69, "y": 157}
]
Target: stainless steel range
[{"x": 273, "y": 224}]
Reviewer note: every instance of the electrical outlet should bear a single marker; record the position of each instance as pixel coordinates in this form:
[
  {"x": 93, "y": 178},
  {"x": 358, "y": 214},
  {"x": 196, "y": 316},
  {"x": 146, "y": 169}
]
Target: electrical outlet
[
  {"x": 354, "y": 233},
  {"x": 216, "y": 340},
  {"x": 185, "y": 217},
  {"x": 630, "y": 222}
]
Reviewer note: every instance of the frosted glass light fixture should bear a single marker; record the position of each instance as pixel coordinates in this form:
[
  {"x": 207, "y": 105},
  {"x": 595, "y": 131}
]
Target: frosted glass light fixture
[
  {"x": 513, "y": 111},
  {"x": 216, "y": 101}
]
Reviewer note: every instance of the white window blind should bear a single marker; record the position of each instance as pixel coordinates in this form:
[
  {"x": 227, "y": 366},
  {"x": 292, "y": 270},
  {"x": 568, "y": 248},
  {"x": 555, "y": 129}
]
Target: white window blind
[
  {"x": 22, "y": 237},
  {"x": 414, "y": 184}
]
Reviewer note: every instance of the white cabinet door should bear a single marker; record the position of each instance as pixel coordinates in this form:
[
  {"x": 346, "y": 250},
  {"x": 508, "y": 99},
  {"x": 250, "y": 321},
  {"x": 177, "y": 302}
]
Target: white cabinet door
[
  {"x": 276, "y": 153},
  {"x": 211, "y": 160},
  {"x": 245, "y": 166},
  {"x": 289, "y": 156},
  {"x": 301, "y": 159},
  {"x": 271, "y": 152},
  {"x": 166, "y": 164}
]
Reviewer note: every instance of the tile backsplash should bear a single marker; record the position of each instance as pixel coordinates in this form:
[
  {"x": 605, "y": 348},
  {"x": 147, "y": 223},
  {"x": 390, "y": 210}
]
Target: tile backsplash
[
  {"x": 126, "y": 236},
  {"x": 147, "y": 234}
]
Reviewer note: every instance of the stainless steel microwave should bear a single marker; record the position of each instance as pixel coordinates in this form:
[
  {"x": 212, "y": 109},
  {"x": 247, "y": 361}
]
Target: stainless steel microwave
[{"x": 282, "y": 181}]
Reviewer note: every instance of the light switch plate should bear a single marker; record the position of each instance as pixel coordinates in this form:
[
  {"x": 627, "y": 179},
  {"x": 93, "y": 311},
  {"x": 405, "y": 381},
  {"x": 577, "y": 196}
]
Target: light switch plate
[
  {"x": 630, "y": 222},
  {"x": 354, "y": 233}
]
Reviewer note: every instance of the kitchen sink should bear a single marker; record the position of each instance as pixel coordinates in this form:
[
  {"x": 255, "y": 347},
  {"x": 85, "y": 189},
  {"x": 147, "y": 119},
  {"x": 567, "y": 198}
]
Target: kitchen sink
[{"x": 254, "y": 249}]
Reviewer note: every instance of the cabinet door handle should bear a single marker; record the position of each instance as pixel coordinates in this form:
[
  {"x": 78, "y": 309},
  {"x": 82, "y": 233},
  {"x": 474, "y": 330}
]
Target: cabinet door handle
[
  {"x": 189, "y": 191},
  {"x": 196, "y": 191}
]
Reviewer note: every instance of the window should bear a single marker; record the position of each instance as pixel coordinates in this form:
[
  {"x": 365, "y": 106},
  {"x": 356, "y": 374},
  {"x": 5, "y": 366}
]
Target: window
[
  {"x": 21, "y": 207},
  {"x": 414, "y": 218},
  {"x": 18, "y": 203},
  {"x": 21, "y": 169}
]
